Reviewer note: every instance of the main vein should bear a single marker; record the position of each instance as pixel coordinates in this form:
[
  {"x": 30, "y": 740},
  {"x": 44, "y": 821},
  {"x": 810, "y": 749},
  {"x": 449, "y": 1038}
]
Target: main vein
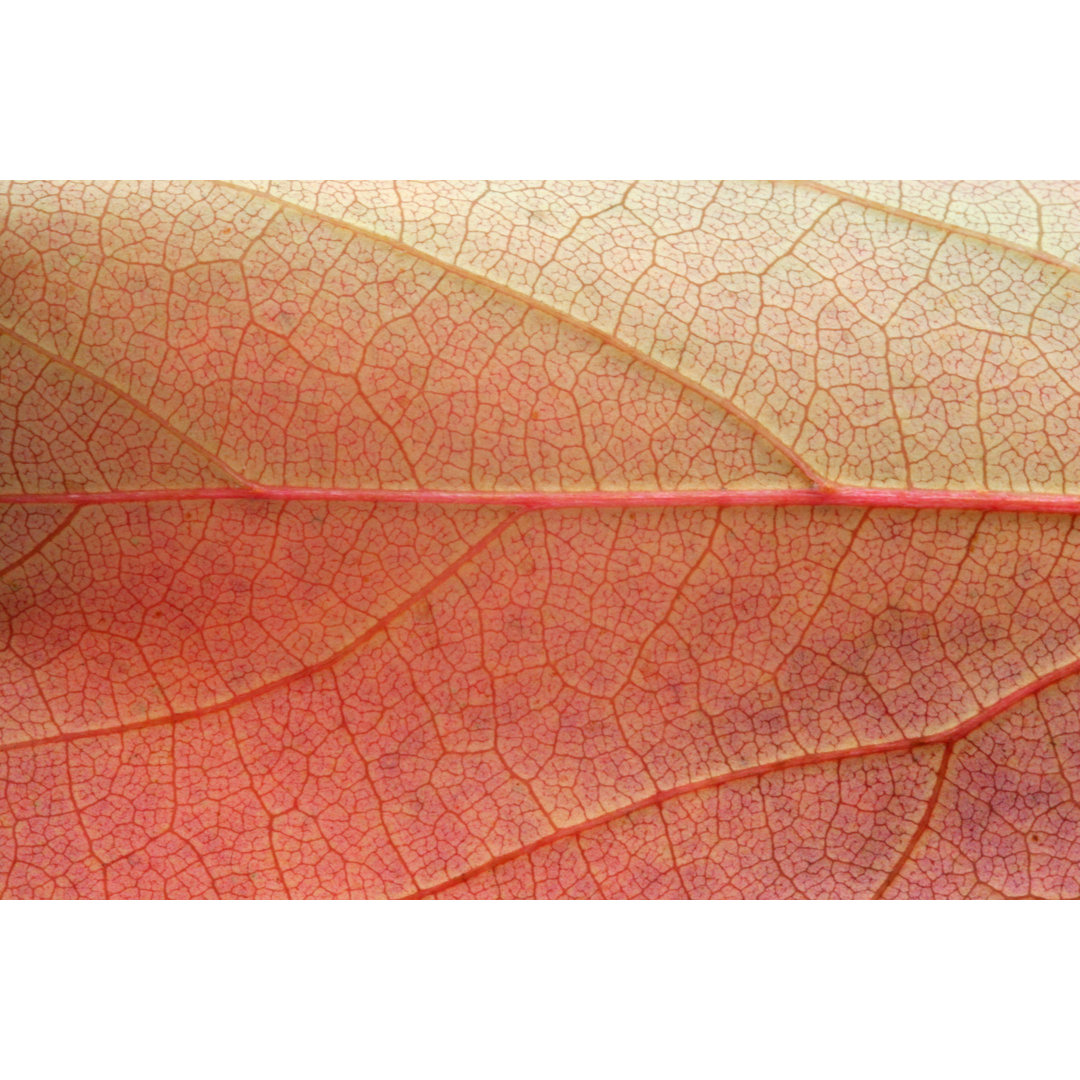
[{"x": 821, "y": 495}]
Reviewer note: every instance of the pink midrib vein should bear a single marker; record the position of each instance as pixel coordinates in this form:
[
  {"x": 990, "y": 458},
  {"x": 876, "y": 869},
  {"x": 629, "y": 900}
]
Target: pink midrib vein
[{"x": 817, "y": 495}]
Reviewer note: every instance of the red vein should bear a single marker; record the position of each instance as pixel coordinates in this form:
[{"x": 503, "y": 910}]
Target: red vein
[
  {"x": 839, "y": 495},
  {"x": 948, "y": 737},
  {"x": 924, "y": 822},
  {"x": 265, "y": 688},
  {"x": 563, "y": 317},
  {"x": 51, "y": 535}
]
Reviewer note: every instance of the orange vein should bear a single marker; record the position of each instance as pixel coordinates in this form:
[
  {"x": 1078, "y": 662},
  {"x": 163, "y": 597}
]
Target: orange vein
[
  {"x": 563, "y": 317},
  {"x": 917, "y": 835},
  {"x": 265, "y": 688},
  {"x": 51, "y": 535},
  {"x": 935, "y": 223},
  {"x": 138, "y": 406},
  {"x": 948, "y": 737}
]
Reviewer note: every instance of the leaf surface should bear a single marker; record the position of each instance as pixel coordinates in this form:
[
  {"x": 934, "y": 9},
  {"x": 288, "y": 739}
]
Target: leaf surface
[{"x": 555, "y": 540}]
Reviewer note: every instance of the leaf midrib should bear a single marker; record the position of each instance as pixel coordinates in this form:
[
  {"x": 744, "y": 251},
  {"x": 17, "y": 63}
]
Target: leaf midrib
[{"x": 838, "y": 495}]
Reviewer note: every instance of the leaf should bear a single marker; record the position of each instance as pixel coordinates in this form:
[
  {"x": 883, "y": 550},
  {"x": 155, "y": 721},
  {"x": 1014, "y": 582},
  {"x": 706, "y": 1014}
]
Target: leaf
[{"x": 554, "y": 540}]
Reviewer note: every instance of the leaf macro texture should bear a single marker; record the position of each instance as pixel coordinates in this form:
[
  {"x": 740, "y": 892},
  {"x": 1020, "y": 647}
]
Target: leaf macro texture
[{"x": 554, "y": 540}]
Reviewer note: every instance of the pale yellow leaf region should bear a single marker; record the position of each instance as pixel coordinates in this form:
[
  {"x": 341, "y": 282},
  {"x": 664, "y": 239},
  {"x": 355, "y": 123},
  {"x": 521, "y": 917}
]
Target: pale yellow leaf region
[
  {"x": 903, "y": 334},
  {"x": 561, "y": 539}
]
